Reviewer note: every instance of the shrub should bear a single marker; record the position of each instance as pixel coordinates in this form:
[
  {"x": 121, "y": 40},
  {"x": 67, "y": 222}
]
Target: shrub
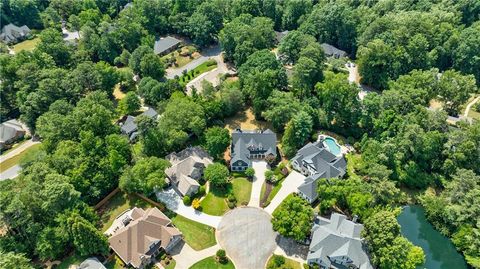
[
  {"x": 187, "y": 200},
  {"x": 278, "y": 260},
  {"x": 231, "y": 205},
  {"x": 270, "y": 176},
  {"x": 201, "y": 191},
  {"x": 221, "y": 256},
  {"x": 250, "y": 172},
  {"x": 231, "y": 198},
  {"x": 196, "y": 203}
]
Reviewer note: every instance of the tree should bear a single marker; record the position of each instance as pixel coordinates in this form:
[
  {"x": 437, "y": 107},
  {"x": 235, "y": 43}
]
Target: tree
[
  {"x": 455, "y": 89},
  {"x": 137, "y": 57},
  {"x": 297, "y": 132},
  {"x": 221, "y": 256},
  {"x": 183, "y": 114},
  {"x": 152, "y": 66},
  {"x": 291, "y": 45},
  {"x": 293, "y": 218},
  {"x": 129, "y": 104},
  {"x": 217, "y": 140},
  {"x": 51, "y": 42},
  {"x": 377, "y": 63},
  {"x": 250, "y": 172},
  {"x": 154, "y": 91},
  {"x": 388, "y": 248},
  {"x": 205, "y": 23},
  {"x": 294, "y": 12},
  {"x": 14, "y": 260},
  {"x": 146, "y": 176},
  {"x": 86, "y": 238},
  {"x": 217, "y": 174},
  {"x": 231, "y": 98},
  {"x": 465, "y": 55}
]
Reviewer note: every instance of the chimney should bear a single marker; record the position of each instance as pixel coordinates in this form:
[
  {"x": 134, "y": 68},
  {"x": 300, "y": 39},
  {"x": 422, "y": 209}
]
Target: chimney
[{"x": 355, "y": 218}]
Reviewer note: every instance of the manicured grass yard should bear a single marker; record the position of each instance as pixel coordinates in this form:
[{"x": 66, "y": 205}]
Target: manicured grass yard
[
  {"x": 211, "y": 263},
  {"x": 119, "y": 203},
  {"x": 26, "y": 45},
  {"x": 197, "y": 235},
  {"x": 214, "y": 203},
  {"x": 182, "y": 60},
  {"x": 290, "y": 264},
  {"x": 72, "y": 260},
  {"x": 242, "y": 187},
  {"x": 205, "y": 67},
  {"x": 17, "y": 158}
]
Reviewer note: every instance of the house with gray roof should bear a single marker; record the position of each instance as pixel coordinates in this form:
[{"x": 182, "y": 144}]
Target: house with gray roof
[
  {"x": 187, "y": 168},
  {"x": 315, "y": 161},
  {"x": 336, "y": 243},
  {"x": 129, "y": 126},
  {"x": 251, "y": 144},
  {"x": 11, "y": 33},
  {"x": 91, "y": 263},
  {"x": 166, "y": 45},
  {"x": 331, "y": 51},
  {"x": 10, "y": 131}
]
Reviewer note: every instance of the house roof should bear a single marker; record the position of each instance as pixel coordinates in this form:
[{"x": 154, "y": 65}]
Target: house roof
[
  {"x": 146, "y": 228},
  {"x": 11, "y": 32},
  {"x": 332, "y": 51},
  {"x": 9, "y": 130},
  {"x": 186, "y": 165},
  {"x": 337, "y": 237},
  {"x": 129, "y": 126},
  {"x": 91, "y": 263},
  {"x": 280, "y": 35},
  {"x": 243, "y": 140},
  {"x": 165, "y": 43}
]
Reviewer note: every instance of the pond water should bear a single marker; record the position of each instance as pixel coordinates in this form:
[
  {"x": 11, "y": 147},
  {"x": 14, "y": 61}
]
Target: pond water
[
  {"x": 439, "y": 250},
  {"x": 332, "y": 146}
]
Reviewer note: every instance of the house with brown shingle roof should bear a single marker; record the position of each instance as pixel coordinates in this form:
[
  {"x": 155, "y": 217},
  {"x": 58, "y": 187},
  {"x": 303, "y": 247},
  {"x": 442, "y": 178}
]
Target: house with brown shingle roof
[{"x": 145, "y": 233}]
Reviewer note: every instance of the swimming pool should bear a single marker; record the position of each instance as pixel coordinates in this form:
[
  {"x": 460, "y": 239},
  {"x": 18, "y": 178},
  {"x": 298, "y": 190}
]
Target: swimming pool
[{"x": 332, "y": 145}]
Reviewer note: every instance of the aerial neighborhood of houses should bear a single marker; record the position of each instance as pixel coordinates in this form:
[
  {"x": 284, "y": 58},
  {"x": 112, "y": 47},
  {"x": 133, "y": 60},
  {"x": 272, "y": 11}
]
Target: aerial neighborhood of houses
[{"x": 234, "y": 134}]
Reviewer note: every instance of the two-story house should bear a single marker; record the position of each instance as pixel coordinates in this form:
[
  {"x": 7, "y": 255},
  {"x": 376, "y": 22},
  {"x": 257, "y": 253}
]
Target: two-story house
[{"x": 251, "y": 144}]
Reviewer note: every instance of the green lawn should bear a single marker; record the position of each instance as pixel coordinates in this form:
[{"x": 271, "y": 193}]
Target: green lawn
[
  {"x": 119, "y": 203},
  {"x": 17, "y": 158},
  {"x": 242, "y": 187},
  {"x": 211, "y": 263},
  {"x": 205, "y": 67},
  {"x": 198, "y": 236},
  {"x": 26, "y": 45},
  {"x": 214, "y": 203},
  {"x": 72, "y": 260},
  {"x": 289, "y": 264}
]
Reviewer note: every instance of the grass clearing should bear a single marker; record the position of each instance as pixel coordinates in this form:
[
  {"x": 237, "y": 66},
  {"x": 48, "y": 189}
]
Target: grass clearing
[
  {"x": 117, "y": 93},
  {"x": 8, "y": 163},
  {"x": 28, "y": 44},
  {"x": 197, "y": 235},
  {"x": 211, "y": 263},
  {"x": 246, "y": 120},
  {"x": 73, "y": 259},
  {"x": 214, "y": 202},
  {"x": 197, "y": 71},
  {"x": 288, "y": 263},
  {"x": 242, "y": 188},
  {"x": 119, "y": 203}
]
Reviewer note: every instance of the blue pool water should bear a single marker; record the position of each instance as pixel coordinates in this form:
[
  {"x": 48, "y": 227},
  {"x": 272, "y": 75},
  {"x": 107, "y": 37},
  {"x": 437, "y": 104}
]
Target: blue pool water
[{"x": 332, "y": 146}]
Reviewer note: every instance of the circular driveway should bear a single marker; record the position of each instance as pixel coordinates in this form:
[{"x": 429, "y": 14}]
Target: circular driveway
[{"x": 247, "y": 236}]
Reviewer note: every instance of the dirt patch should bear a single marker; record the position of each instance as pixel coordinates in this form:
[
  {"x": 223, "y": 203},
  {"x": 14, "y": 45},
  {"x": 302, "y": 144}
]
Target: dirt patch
[
  {"x": 268, "y": 190},
  {"x": 436, "y": 104},
  {"x": 246, "y": 120},
  {"x": 117, "y": 93}
]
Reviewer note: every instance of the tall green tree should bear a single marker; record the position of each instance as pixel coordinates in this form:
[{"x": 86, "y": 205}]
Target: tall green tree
[
  {"x": 293, "y": 218},
  {"x": 86, "y": 238},
  {"x": 217, "y": 140},
  {"x": 297, "y": 132}
]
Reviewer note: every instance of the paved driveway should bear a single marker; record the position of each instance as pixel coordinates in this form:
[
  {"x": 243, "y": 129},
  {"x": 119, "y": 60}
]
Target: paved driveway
[
  {"x": 174, "y": 202},
  {"x": 247, "y": 236},
  {"x": 185, "y": 256},
  {"x": 212, "y": 76},
  {"x": 11, "y": 172},
  {"x": 289, "y": 185},
  {"x": 170, "y": 73},
  {"x": 260, "y": 167}
]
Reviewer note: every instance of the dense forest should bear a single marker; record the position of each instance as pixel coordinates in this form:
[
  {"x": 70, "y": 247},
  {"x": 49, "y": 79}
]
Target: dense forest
[{"x": 409, "y": 52}]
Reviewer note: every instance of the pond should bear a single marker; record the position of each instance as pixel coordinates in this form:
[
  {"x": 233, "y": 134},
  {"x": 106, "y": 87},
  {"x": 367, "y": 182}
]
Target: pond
[{"x": 439, "y": 250}]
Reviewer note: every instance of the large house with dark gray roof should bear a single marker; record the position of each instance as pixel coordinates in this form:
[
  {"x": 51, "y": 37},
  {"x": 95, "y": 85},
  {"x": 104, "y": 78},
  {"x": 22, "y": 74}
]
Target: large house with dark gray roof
[
  {"x": 129, "y": 126},
  {"x": 165, "y": 45},
  {"x": 13, "y": 34},
  {"x": 336, "y": 243},
  {"x": 315, "y": 161},
  {"x": 10, "y": 131},
  {"x": 331, "y": 51},
  {"x": 251, "y": 144}
]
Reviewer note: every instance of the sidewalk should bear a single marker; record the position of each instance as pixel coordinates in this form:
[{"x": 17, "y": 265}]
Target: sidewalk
[
  {"x": 260, "y": 167},
  {"x": 174, "y": 202}
]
